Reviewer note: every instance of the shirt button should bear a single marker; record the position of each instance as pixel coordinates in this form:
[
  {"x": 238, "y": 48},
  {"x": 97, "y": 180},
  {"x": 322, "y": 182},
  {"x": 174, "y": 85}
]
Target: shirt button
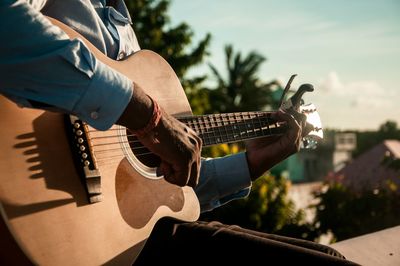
[
  {"x": 121, "y": 55},
  {"x": 94, "y": 115}
]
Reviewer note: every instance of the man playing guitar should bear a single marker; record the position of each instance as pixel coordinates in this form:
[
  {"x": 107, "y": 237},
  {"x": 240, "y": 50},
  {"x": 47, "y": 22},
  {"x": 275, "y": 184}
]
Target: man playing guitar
[{"x": 41, "y": 67}]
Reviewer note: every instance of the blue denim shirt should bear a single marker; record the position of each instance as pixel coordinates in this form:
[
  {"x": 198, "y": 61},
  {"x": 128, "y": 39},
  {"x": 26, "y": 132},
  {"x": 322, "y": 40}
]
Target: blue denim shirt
[{"x": 40, "y": 67}]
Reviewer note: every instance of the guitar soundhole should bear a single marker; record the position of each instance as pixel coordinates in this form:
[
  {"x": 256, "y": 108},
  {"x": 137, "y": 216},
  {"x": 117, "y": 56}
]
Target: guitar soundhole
[{"x": 144, "y": 155}]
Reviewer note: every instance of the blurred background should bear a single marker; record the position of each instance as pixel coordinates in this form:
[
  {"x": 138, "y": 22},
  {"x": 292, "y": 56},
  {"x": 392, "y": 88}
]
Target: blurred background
[{"x": 234, "y": 56}]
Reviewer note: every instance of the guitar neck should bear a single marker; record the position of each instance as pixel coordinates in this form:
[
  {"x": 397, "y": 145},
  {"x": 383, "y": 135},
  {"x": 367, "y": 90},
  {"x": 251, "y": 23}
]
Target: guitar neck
[{"x": 233, "y": 127}]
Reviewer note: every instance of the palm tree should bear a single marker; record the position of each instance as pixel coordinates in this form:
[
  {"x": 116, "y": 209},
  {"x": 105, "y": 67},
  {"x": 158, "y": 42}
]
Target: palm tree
[{"x": 241, "y": 90}]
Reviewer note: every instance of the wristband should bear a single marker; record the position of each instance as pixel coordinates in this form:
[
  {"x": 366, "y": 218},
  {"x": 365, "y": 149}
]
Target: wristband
[{"x": 153, "y": 122}]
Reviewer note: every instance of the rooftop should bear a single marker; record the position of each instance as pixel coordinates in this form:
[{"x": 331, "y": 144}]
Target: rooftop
[{"x": 371, "y": 169}]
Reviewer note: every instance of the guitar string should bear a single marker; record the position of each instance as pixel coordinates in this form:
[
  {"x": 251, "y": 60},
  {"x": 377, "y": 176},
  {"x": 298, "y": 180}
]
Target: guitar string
[
  {"x": 207, "y": 140},
  {"x": 225, "y": 137},
  {"x": 209, "y": 128},
  {"x": 231, "y": 118},
  {"x": 232, "y": 138},
  {"x": 103, "y": 160},
  {"x": 143, "y": 147},
  {"x": 98, "y": 153},
  {"x": 110, "y": 159},
  {"x": 254, "y": 132},
  {"x": 135, "y": 150},
  {"x": 100, "y": 159}
]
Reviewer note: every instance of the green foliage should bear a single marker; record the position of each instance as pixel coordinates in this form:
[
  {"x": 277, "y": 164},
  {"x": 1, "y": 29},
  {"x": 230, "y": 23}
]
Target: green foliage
[
  {"x": 242, "y": 89},
  {"x": 197, "y": 95},
  {"x": 154, "y": 31},
  {"x": 347, "y": 213}
]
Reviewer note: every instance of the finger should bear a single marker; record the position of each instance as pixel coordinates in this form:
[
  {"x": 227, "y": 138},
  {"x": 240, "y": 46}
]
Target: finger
[
  {"x": 194, "y": 141},
  {"x": 281, "y": 115},
  {"x": 179, "y": 177},
  {"x": 194, "y": 138},
  {"x": 296, "y": 137},
  {"x": 264, "y": 141},
  {"x": 165, "y": 169},
  {"x": 292, "y": 137},
  {"x": 199, "y": 143},
  {"x": 293, "y": 126},
  {"x": 194, "y": 174}
]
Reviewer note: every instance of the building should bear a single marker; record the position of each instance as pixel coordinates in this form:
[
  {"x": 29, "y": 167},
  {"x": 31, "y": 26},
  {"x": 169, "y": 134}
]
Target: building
[
  {"x": 333, "y": 153},
  {"x": 372, "y": 169},
  {"x": 345, "y": 144}
]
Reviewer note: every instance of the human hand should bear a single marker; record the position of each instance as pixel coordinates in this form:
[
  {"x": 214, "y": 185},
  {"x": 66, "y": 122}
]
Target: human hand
[
  {"x": 177, "y": 145},
  {"x": 179, "y": 149},
  {"x": 264, "y": 153}
]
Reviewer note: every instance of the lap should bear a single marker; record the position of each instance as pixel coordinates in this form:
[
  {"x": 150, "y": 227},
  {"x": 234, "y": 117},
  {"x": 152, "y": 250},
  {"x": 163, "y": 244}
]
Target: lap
[{"x": 209, "y": 241}]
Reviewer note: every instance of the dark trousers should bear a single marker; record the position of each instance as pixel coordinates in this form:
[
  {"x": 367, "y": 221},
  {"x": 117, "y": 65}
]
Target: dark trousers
[{"x": 205, "y": 243}]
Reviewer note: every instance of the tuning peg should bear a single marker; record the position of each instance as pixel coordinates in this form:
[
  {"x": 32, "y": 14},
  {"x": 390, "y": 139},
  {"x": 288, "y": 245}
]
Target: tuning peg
[
  {"x": 306, "y": 115},
  {"x": 296, "y": 100},
  {"x": 285, "y": 90}
]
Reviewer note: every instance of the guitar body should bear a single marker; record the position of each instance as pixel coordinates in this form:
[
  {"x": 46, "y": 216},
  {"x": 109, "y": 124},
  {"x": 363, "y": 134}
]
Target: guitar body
[{"x": 44, "y": 204}]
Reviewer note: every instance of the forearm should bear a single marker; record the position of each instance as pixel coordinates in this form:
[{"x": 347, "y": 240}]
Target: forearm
[
  {"x": 222, "y": 180},
  {"x": 39, "y": 64},
  {"x": 138, "y": 111}
]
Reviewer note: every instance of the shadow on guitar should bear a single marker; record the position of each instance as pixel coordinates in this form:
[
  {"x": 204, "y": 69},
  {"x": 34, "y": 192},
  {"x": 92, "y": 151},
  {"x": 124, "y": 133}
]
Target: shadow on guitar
[{"x": 48, "y": 161}]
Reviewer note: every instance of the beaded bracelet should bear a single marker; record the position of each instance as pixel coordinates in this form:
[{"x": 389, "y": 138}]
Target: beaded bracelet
[{"x": 153, "y": 122}]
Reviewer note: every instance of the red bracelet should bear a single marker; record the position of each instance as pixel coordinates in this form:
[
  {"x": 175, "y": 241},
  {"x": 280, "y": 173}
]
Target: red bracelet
[{"x": 153, "y": 122}]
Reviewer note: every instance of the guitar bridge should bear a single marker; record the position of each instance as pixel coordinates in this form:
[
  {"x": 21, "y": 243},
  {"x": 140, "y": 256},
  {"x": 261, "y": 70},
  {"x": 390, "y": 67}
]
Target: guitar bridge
[{"x": 85, "y": 162}]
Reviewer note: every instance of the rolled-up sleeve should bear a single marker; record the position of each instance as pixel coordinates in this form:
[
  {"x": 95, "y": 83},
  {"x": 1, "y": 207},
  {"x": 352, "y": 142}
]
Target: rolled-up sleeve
[
  {"x": 40, "y": 64},
  {"x": 222, "y": 180}
]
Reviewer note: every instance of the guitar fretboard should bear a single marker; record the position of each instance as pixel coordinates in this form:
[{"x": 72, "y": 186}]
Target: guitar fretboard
[{"x": 233, "y": 127}]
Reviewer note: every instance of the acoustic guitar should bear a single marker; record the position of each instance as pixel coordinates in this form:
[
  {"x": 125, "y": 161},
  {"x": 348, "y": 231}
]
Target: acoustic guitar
[{"x": 72, "y": 195}]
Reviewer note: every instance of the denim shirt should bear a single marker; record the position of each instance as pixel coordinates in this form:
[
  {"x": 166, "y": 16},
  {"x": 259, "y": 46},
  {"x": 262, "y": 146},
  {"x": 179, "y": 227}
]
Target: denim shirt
[{"x": 40, "y": 67}]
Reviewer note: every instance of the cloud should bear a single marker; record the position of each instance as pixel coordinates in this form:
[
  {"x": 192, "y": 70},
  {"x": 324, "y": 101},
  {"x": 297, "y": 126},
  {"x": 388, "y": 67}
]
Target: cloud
[
  {"x": 362, "y": 94},
  {"x": 331, "y": 84}
]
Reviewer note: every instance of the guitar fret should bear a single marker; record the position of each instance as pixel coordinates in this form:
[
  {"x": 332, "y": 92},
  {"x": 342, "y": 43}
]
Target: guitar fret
[
  {"x": 266, "y": 121},
  {"x": 248, "y": 125},
  {"x": 211, "y": 130},
  {"x": 255, "y": 129},
  {"x": 243, "y": 124},
  {"x": 207, "y": 129},
  {"x": 237, "y": 126},
  {"x": 202, "y": 132},
  {"x": 196, "y": 126},
  {"x": 209, "y": 125},
  {"x": 260, "y": 129},
  {"x": 232, "y": 127},
  {"x": 224, "y": 126},
  {"x": 218, "y": 129},
  {"x": 218, "y": 126},
  {"x": 228, "y": 127},
  {"x": 229, "y": 135}
]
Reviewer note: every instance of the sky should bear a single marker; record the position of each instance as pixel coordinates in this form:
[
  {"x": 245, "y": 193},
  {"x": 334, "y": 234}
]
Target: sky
[{"x": 349, "y": 50}]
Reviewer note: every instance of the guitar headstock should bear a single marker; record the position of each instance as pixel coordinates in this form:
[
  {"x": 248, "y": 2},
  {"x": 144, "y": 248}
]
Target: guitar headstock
[
  {"x": 306, "y": 114},
  {"x": 312, "y": 126}
]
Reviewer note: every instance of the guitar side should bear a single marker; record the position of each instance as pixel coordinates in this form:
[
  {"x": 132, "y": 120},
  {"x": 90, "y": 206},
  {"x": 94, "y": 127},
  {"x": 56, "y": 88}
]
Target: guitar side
[{"x": 44, "y": 203}]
